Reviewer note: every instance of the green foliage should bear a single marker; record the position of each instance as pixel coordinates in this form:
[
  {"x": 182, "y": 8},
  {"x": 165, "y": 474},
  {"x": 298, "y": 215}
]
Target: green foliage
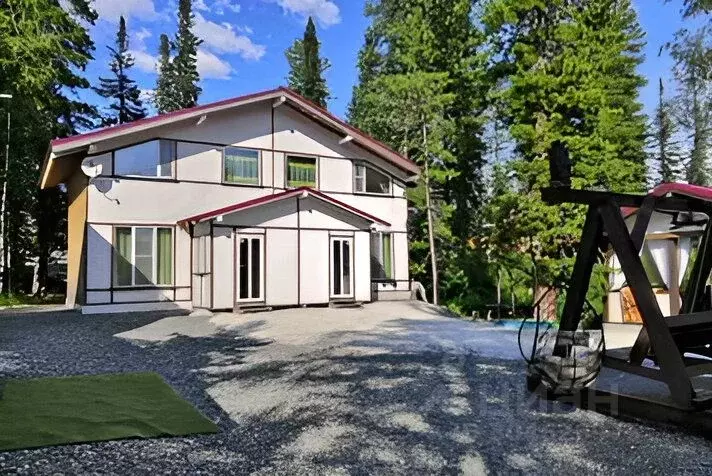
[
  {"x": 307, "y": 67},
  {"x": 126, "y": 106},
  {"x": 165, "y": 97},
  {"x": 43, "y": 50},
  {"x": 693, "y": 69},
  {"x": 664, "y": 149},
  {"x": 570, "y": 70}
]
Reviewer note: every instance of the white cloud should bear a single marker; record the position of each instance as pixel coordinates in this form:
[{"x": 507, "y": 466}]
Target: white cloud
[
  {"x": 223, "y": 39},
  {"x": 111, "y": 10},
  {"x": 201, "y": 6},
  {"x": 324, "y": 11},
  {"x": 212, "y": 67},
  {"x": 144, "y": 61},
  {"x": 219, "y": 7}
]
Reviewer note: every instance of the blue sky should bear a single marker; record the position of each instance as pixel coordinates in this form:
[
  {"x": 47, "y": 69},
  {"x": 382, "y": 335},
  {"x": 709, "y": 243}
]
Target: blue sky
[{"x": 245, "y": 41}]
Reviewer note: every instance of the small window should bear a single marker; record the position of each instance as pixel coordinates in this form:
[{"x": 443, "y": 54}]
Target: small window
[
  {"x": 150, "y": 159},
  {"x": 143, "y": 256},
  {"x": 369, "y": 180},
  {"x": 301, "y": 171},
  {"x": 381, "y": 256},
  {"x": 241, "y": 165}
]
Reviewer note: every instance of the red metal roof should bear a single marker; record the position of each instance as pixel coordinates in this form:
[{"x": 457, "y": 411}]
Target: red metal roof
[
  {"x": 361, "y": 138},
  {"x": 281, "y": 196},
  {"x": 673, "y": 188}
]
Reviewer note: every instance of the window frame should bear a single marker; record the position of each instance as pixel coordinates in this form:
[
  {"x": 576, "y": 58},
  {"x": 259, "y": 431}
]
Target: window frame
[
  {"x": 154, "y": 258},
  {"x": 223, "y": 178},
  {"x": 289, "y": 155},
  {"x": 365, "y": 166},
  {"x": 174, "y": 159},
  {"x": 392, "y": 277}
]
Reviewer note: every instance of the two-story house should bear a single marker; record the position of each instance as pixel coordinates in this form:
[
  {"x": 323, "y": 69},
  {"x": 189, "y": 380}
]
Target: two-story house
[{"x": 260, "y": 200}]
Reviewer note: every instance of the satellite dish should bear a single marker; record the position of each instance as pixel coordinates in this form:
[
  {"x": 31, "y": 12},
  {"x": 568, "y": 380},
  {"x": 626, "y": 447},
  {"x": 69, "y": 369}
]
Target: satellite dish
[{"x": 90, "y": 168}]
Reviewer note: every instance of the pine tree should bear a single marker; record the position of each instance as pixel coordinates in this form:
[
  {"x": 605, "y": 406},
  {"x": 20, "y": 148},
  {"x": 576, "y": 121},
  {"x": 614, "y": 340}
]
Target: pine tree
[
  {"x": 307, "y": 67},
  {"x": 410, "y": 44},
  {"x": 664, "y": 148},
  {"x": 571, "y": 74},
  {"x": 693, "y": 71},
  {"x": 164, "y": 97},
  {"x": 696, "y": 7},
  {"x": 185, "y": 70},
  {"x": 126, "y": 105}
]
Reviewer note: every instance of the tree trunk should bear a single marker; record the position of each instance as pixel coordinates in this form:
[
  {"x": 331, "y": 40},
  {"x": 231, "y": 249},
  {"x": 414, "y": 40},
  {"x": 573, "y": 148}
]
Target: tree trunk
[{"x": 431, "y": 232}]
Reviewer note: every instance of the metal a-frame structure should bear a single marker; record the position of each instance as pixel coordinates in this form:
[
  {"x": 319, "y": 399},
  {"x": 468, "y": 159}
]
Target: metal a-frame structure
[{"x": 678, "y": 345}]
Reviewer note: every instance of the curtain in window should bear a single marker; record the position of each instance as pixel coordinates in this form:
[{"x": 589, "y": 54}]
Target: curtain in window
[
  {"x": 241, "y": 166},
  {"x": 122, "y": 254},
  {"x": 164, "y": 258},
  {"x": 387, "y": 256},
  {"x": 301, "y": 172}
]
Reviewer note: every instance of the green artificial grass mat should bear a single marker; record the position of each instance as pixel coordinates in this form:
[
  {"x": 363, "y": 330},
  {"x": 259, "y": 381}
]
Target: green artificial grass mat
[{"x": 78, "y": 409}]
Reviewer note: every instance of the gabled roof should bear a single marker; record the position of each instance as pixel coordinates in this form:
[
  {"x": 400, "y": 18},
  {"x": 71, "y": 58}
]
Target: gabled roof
[
  {"x": 72, "y": 144},
  {"x": 256, "y": 202}
]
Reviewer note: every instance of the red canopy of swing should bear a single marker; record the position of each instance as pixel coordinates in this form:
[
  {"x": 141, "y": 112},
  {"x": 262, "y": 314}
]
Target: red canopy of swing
[{"x": 684, "y": 189}]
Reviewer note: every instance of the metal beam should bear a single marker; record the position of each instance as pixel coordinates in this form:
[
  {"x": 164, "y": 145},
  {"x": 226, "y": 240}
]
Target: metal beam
[{"x": 554, "y": 196}]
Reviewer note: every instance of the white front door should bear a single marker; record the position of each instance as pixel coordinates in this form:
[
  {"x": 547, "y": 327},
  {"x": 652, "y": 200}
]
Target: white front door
[
  {"x": 250, "y": 268},
  {"x": 342, "y": 260}
]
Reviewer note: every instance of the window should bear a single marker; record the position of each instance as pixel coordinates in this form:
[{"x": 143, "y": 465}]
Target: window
[
  {"x": 150, "y": 159},
  {"x": 143, "y": 256},
  {"x": 381, "y": 256},
  {"x": 241, "y": 165},
  {"x": 368, "y": 180},
  {"x": 301, "y": 171}
]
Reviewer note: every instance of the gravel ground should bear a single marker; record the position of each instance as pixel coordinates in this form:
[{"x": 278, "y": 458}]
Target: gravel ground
[{"x": 394, "y": 388}]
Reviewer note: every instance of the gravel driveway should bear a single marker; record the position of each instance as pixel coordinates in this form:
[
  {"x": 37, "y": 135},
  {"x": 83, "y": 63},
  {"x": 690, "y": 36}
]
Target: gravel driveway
[{"x": 395, "y": 388}]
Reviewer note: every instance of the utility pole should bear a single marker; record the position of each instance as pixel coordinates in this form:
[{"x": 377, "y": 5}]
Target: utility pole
[{"x": 4, "y": 254}]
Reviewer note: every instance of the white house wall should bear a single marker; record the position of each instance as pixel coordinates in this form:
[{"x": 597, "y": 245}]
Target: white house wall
[
  {"x": 223, "y": 268},
  {"x": 314, "y": 259},
  {"x": 362, "y": 266}
]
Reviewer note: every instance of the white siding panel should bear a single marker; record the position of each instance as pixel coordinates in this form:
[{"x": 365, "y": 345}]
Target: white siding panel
[
  {"x": 336, "y": 175},
  {"x": 224, "y": 266},
  {"x": 99, "y": 251},
  {"x": 388, "y": 209},
  {"x": 277, "y": 214},
  {"x": 148, "y": 295},
  {"x": 199, "y": 162},
  {"x": 362, "y": 266},
  {"x": 315, "y": 213},
  {"x": 281, "y": 267},
  {"x": 296, "y": 133},
  {"x": 314, "y": 266},
  {"x": 183, "y": 294},
  {"x": 279, "y": 167},
  {"x": 266, "y": 167},
  {"x": 182, "y": 254},
  {"x": 400, "y": 256},
  {"x": 149, "y": 201},
  {"x": 98, "y": 297}
]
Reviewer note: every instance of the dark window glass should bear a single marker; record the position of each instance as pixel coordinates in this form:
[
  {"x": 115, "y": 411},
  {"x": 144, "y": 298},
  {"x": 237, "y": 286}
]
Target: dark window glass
[
  {"x": 255, "y": 265},
  {"x": 337, "y": 267},
  {"x": 244, "y": 283}
]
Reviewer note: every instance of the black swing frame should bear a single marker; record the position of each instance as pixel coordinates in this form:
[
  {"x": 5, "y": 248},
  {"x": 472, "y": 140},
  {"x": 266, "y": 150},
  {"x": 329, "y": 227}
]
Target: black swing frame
[{"x": 669, "y": 338}]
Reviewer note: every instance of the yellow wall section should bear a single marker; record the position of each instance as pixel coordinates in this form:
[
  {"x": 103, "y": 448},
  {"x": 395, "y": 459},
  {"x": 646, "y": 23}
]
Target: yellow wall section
[{"x": 76, "y": 224}]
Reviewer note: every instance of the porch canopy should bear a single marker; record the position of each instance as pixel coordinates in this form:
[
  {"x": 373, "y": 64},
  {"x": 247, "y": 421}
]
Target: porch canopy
[{"x": 297, "y": 193}]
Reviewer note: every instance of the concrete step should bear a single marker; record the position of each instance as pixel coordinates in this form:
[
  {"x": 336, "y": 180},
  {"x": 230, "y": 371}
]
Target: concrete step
[
  {"x": 251, "y": 308},
  {"x": 345, "y": 304}
]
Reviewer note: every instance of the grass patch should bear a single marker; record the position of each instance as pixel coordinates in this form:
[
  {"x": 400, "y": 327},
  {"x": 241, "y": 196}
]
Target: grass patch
[
  {"x": 14, "y": 300},
  {"x": 61, "y": 410}
]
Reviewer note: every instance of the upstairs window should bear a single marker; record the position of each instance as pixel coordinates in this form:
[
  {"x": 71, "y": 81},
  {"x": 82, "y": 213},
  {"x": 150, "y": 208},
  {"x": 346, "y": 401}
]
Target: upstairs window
[
  {"x": 143, "y": 256},
  {"x": 381, "y": 256},
  {"x": 150, "y": 159},
  {"x": 369, "y": 180},
  {"x": 301, "y": 171},
  {"x": 241, "y": 166}
]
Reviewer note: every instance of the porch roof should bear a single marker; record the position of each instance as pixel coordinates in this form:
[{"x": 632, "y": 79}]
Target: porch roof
[{"x": 297, "y": 192}]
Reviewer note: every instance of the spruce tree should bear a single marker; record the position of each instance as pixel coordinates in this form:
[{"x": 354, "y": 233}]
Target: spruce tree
[
  {"x": 693, "y": 71},
  {"x": 164, "y": 98},
  {"x": 185, "y": 70},
  {"x": 664, "y": 149},
  {"x": 571, "y": 75},
  {"x": 126, "y": 106},
  {"x": 307, "y": 67}
]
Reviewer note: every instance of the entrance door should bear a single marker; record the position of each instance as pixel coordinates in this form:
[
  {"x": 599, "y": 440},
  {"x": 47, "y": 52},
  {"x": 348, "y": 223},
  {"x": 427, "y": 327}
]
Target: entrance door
[
  {"x": 250, "y": 268},
  {"x": 342, "y": 259}
]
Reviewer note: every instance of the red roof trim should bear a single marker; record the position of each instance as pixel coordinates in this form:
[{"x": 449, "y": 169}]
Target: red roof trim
[
  {"x": 688, "y": 190},
  {"x": 277, "y": 197}
]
